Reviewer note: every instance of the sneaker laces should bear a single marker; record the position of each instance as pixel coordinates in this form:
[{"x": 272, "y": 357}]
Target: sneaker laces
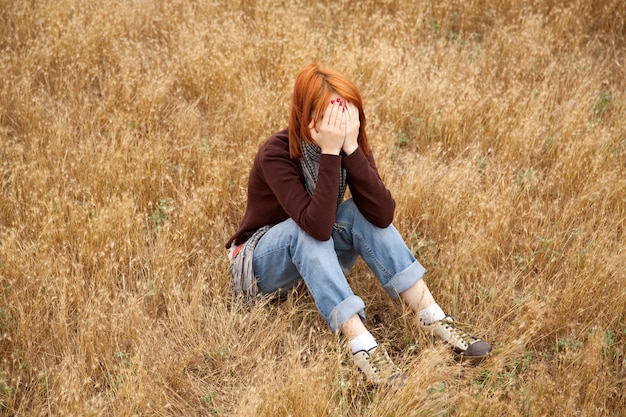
[
  {"x": 382, "y": 363},
  {"x": 378, "y": 366},
  {"x": 456, "y": 332}
]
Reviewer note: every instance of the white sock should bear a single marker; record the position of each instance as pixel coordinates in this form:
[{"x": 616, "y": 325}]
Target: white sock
[
  {"x": 365, "y": 341},
  {"x": 431, "y": 314}
]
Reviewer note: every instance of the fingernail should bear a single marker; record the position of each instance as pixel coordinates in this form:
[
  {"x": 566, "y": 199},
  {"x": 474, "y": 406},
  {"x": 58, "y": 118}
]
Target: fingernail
[{"x": 332, "y": 101}]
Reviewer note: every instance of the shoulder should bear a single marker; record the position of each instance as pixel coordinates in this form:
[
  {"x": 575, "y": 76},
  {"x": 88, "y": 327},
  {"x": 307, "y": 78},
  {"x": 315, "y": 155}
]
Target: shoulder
[{"x": 276, "y": 145}]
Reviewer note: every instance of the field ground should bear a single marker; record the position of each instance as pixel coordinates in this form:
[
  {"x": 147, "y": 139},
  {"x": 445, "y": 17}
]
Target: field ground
[{"x": 127, "y": 128}]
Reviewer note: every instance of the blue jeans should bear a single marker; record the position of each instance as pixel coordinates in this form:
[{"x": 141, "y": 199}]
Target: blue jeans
[{"x": 286, "y": 254}]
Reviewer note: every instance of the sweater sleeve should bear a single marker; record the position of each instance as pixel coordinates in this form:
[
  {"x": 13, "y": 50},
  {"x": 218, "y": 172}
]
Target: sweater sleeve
[
  {"x": 314, "y": 214},
  {"x": 368, "y": 191}
]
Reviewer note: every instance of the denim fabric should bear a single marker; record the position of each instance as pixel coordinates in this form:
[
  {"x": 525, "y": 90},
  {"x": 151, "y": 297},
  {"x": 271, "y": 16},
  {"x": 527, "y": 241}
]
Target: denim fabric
[{"x": 286, "y": 254}]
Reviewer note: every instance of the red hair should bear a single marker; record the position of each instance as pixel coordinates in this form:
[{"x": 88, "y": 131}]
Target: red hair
[{"x": 311, "y": 94}]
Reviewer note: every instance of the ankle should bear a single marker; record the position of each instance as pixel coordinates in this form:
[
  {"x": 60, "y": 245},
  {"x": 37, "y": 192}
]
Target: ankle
[
  {"x": 363, "y": 342},
  {"x": 431, "y": 314}
]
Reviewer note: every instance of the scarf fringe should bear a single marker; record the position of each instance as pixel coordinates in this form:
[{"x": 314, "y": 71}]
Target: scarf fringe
[{"x": 244, "y": 282}]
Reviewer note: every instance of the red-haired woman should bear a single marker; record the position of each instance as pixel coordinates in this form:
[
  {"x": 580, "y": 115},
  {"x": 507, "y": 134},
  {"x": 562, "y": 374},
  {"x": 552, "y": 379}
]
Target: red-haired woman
[{"x": 297, "y": 225}]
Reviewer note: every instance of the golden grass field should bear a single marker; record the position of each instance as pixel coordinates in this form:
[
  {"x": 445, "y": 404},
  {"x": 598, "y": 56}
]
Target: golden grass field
[{"x": 127, "y": 129}]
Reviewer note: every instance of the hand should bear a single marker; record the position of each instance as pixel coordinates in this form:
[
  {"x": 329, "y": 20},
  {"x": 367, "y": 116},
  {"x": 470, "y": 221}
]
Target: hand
[
  {"x": 351, "y": 142},
  {"x": 330, "y": 132}
]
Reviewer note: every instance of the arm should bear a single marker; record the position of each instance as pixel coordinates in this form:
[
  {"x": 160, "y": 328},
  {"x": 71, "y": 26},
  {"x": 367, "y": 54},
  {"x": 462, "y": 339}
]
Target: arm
[
  {"x": 369, "y": 192},
  {"x": 314, "y": 214}
]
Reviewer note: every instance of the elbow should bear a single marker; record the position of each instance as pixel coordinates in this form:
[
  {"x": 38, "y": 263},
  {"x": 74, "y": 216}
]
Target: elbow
[
  {"x": 384, "y": 222},
  {"x": 389, "y": 214},
  {"x": 383, "y": 218},
  {"x": 321, "y": 236},
  {"x": 319, "y": 228},
  {"x": 387, "y": 223},
  {"x": 318, "y": 231},
  {"x": 380, "y": 220}
]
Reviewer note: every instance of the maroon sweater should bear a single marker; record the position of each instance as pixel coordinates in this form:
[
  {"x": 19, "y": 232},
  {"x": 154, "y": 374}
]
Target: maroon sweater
[{"x": 276, "y": 191}]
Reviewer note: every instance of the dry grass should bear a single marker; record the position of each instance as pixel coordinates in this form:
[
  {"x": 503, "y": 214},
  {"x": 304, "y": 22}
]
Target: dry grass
[{"x": 126, "y": 133}]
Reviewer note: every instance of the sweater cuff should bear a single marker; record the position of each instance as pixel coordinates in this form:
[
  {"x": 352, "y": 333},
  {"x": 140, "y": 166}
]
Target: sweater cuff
[
  {"x": 327, "y": 159},
  {"x": 354, "y": 160}
]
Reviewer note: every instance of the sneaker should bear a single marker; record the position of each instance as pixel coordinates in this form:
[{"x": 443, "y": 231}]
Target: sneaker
[
  {"x": 466, "y": 346},
  {"x": 378, "y": 367}
]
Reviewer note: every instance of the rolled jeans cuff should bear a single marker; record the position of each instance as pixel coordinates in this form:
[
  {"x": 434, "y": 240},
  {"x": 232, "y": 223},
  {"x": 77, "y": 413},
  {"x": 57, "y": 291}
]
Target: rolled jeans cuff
[
  {"x": 344, "y": 310},
  {"x": 404, "y": 280}
]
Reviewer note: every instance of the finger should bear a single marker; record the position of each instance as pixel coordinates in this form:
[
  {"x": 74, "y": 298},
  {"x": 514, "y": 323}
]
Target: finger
[
  {"x": 347, "y": 106},
  {"x": 338, "y": 111},
  {"x": 354, "y": 114},
  {"x": 327, "y": 114},
  {"x": 353, "y": 111},
  {"x": 342, "y": 106},
  {"x": 334, "y": 106},
  {"x": 342, "y": 119}
]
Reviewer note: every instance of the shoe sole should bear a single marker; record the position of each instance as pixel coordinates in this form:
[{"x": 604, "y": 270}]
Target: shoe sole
[{"x": 470, "y": 360}]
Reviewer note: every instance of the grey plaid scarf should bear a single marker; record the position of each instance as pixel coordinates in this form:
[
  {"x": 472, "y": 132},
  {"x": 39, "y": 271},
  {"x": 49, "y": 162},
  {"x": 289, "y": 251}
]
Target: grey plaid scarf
[
  {"x": 311, "y": 165},
  {"x": 243, "y": 282}
]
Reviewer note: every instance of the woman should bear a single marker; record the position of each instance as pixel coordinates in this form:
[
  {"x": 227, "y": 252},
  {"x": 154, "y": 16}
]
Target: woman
[{"x": 297, "y": 225}]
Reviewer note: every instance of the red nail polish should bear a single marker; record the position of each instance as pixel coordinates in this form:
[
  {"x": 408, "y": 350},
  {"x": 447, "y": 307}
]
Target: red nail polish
[{"x": 332, "y": 101}]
